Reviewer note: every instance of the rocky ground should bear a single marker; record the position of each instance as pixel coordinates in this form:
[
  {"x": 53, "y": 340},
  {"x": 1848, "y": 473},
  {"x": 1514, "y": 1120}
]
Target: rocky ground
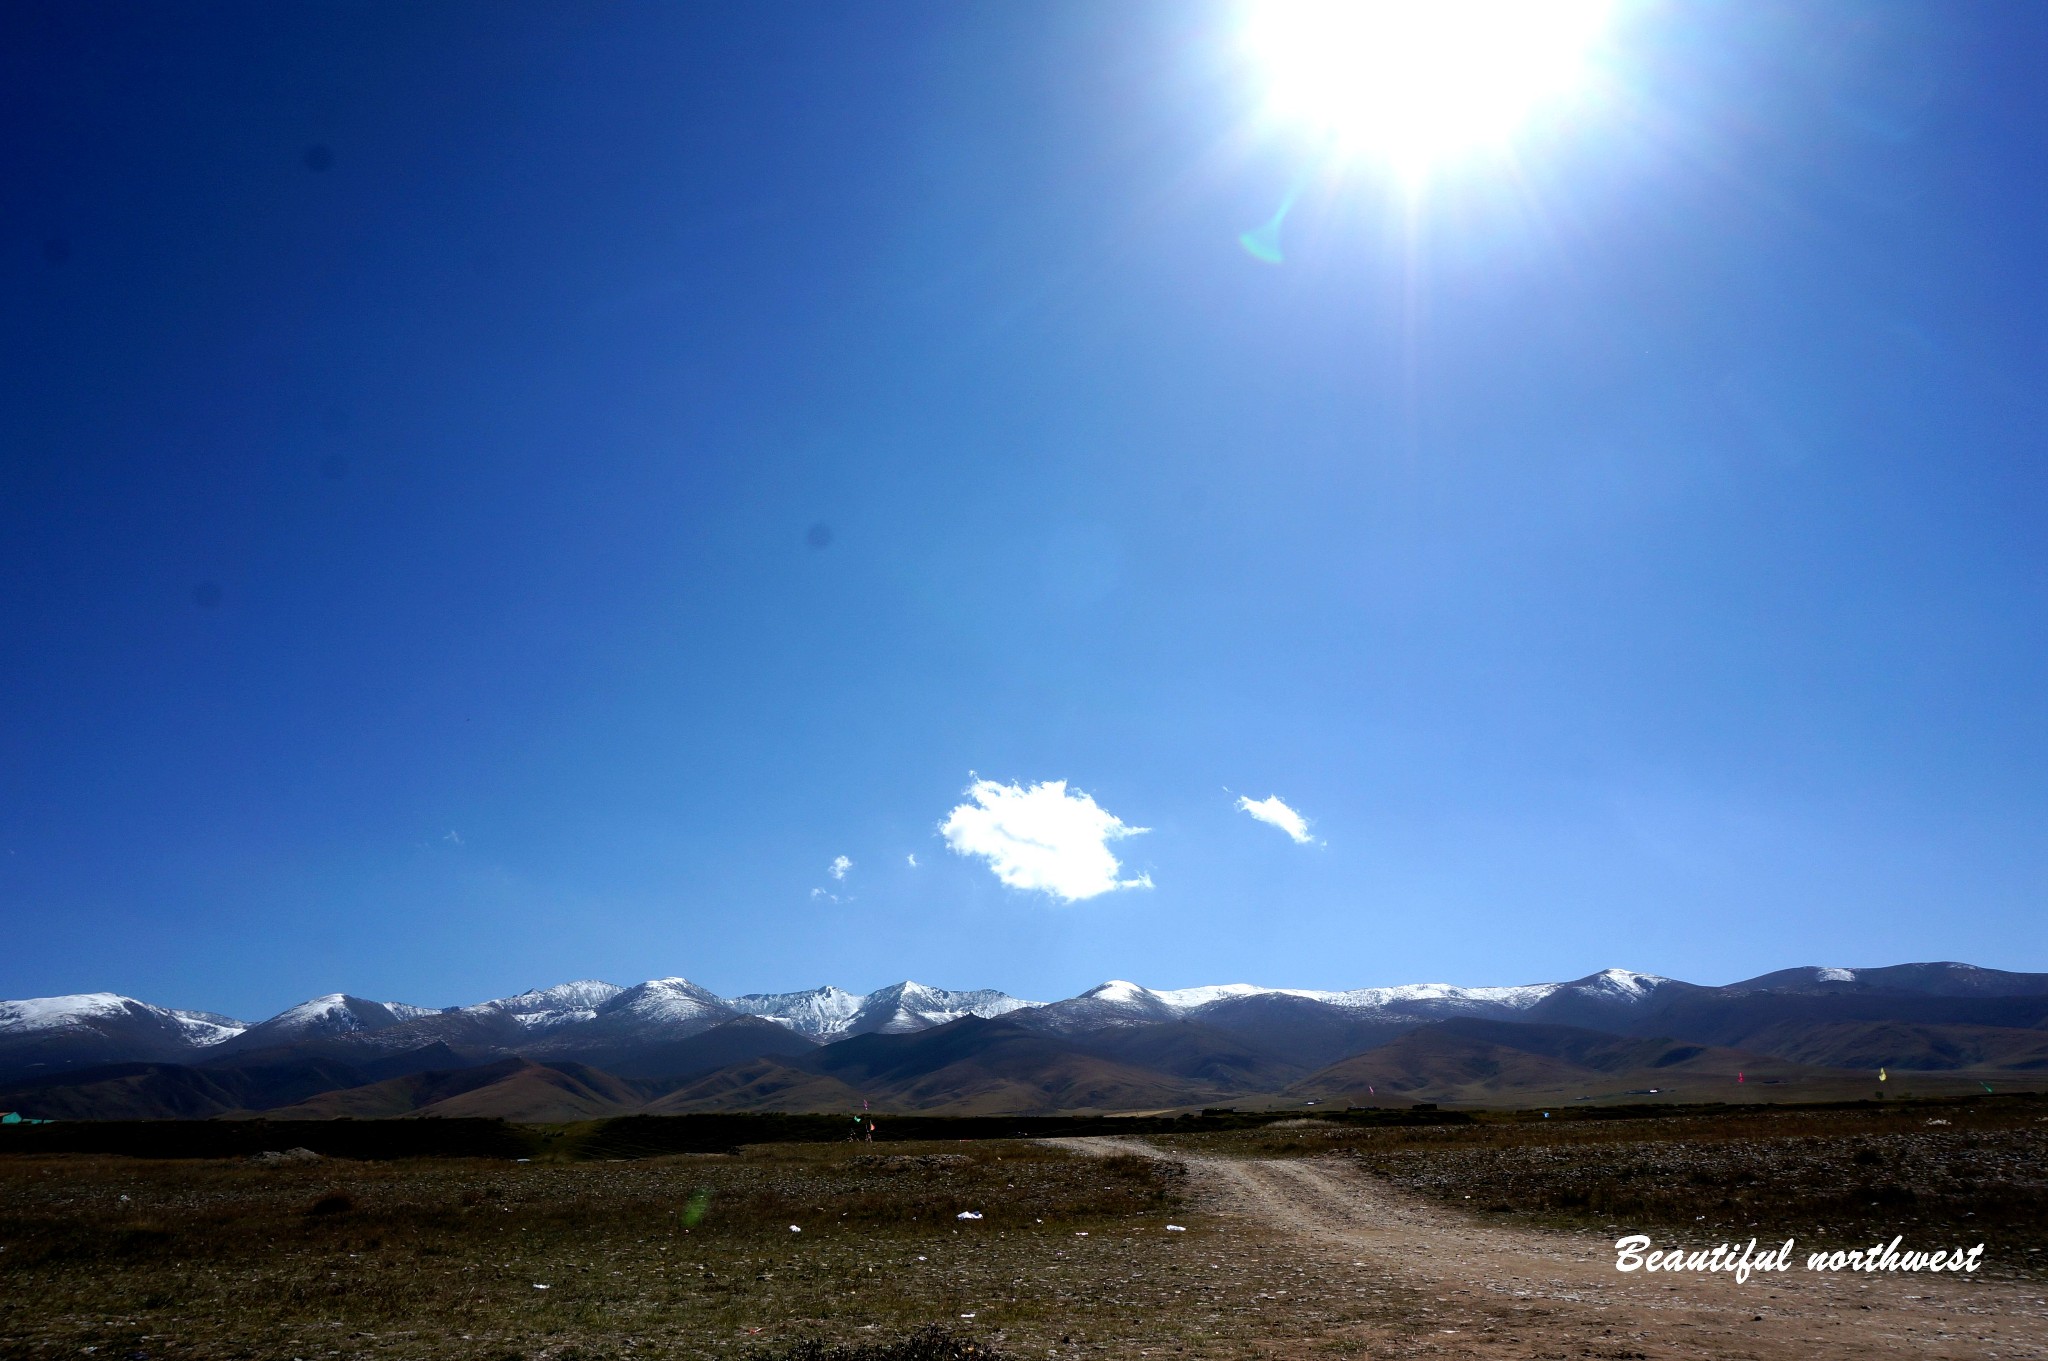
[
  {"x": 1312, "y": 1240},
  {"x": 1975, "y": 1172},
  {"x": 1477, "y": 1286}
]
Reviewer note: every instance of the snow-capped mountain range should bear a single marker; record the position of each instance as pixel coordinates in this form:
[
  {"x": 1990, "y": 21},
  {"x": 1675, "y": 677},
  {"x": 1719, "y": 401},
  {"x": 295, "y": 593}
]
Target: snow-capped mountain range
[
  {"x": 33, "y": 1015},
  {"x": 586, "y": 1049},
  {"x": 678, "y": 1007},
  {"x": 605, "y": 1023},
  {"x": 830, "y": 1013}
]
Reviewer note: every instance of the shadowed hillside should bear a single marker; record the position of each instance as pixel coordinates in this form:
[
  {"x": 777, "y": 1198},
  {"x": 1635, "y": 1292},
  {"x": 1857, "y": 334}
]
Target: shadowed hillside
[
  {"x": 1499, "y": 1063},
  {"x": 1007, "y": 1065}
]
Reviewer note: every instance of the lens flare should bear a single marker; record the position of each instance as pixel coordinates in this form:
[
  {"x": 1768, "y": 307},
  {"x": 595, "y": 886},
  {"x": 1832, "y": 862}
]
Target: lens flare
[
  {"x": 1419, "y": 83},
  {"x": 1263, "y": 242}
]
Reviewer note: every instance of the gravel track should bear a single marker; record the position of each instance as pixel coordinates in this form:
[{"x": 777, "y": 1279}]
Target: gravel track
[{"x": 1501, "y": 1291}]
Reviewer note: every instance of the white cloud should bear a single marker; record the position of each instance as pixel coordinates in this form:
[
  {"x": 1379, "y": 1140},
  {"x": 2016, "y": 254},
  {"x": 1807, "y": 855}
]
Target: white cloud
[
  {"x": 912, "y": 858},
  {"x": 1274, "y": 813},
  {"x": 839, "y": 866},
  {"x": 1042, "y": 838}
]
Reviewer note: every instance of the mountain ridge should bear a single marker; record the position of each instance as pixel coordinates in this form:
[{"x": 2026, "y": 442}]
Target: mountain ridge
[
  {"x": 999, "y": 1066},
  {"x": 1245, "y": 1034}
]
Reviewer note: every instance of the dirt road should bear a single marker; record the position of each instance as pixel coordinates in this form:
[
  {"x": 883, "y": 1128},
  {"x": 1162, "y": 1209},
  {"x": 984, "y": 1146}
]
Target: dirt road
[{"x": 1498, "y": 1291}]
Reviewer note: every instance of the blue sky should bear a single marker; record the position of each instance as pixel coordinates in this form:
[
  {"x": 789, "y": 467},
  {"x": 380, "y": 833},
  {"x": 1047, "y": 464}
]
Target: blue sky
[{"x": 498, "y": 494}]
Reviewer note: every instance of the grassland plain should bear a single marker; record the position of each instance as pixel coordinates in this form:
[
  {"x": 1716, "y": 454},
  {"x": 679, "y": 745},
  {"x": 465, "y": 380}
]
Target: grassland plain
[
  {"x": 446, "y": 1258},
  {"x": 1307, "y": 1238}
]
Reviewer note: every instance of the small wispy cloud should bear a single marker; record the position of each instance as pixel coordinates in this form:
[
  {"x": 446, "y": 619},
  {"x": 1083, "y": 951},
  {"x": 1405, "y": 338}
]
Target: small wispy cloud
[
  {"x": 912, "y": 858},
  {"x": 1044, "y": 838},
  {"x": 839, "y": 867},
  {"x": 1274, "y": 813},
  {"x": 453, "y": 837}
]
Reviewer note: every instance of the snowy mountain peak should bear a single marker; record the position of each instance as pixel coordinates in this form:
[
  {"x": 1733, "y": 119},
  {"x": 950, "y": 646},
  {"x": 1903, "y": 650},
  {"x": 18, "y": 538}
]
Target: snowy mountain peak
[
  {"x": 1934, "y": 978},
  {"x": 1626, "y": 982},
  {"x": 815, "y": 1012},
  {"x": 331, "y": 1012},
  {"x": 1446, "y": 998},
  {"x": 1214, "y": 992},
  {"x": 1120, "y": 1002},
  {"x": 89, "y": 1011},
  {"x": 204, "y": 1028},
  {"x": 104, "y": 1027},
  {"x": 95, "y": 1010},
  {"x": 57, "y": 1013},
  {"x": 543, "y": 1009},
  {"x": 910, "y": 1006},
  {"x": 665, "y": 999},
  {"x": 585, "y": 994},
  {"x": 336, "y": 1013},
  {"x": 829, "y": 1013},
  {"x": 1119, "y": 991}
]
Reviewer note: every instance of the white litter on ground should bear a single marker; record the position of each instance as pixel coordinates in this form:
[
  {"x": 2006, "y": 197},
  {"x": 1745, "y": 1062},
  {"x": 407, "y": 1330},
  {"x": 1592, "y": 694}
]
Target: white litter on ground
[
  {"x": 968, "y": 1214},
  {"x": 794, "y": 1229},
  {"x": 538, "y": 1286},
  {"x": 1175, "y": 1228}
]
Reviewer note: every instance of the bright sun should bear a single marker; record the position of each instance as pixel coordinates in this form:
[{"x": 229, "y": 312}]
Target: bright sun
[{"x": 1417, "y": 83}]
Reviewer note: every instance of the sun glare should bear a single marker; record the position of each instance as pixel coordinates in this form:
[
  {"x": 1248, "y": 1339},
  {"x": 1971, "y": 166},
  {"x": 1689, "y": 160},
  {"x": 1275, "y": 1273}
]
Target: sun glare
[{"x": 1418, "y": 83}]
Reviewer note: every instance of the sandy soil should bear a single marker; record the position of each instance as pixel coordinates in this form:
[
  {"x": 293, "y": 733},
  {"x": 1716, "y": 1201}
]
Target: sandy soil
[{"x": 1516, "y": 1292}]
